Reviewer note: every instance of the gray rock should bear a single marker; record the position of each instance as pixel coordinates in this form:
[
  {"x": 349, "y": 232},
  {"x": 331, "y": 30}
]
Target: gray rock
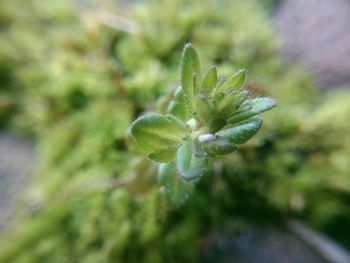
[
  {"x": 17, "y": 159},
  {"x": 316, "y": 33},
  {"x": 294, "y": 243}
]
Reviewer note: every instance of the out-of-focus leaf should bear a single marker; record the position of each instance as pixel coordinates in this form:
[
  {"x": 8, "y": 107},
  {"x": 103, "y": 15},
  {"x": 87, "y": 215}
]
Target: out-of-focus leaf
[
  {"x": 203, "y": 109},
  {"x": 235, "y": 81},
  {"x": 210, "y": 79},
  {"x": 258, "y": 105},
  {"x": 178, "y": 106},
  {"x": 173, "y": 188},
  {"x": 141, "y": 174},
  {"x": 155, "y": 132},
  {"x": 189, "y": 164},
  {"x": 241, "y": 132}
]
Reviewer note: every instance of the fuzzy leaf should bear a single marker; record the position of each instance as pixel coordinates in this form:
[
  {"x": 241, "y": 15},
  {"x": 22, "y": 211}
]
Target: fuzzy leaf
[
  {"x": 258, "y": 105},
  {"x": 241, "y": 132},
  {"x": 173, "y": 188},
  {"x": 189, "y": 164},
  {"x": 210, "y": 79},
  {"x": 235, "y": 81},
  {"x": 219, "y": 146},
  {"x": 190, "y": 69},
  {"x": 156, "y": 132},
  {"x": 203, "y": 109},
  {"x": 163, "y": 156},
  {"x": 232, "y": 101},
  {"x": 226, "y": 101},
  {"x": 236, "y": 103},
  {"x": 178, "y": 106}
]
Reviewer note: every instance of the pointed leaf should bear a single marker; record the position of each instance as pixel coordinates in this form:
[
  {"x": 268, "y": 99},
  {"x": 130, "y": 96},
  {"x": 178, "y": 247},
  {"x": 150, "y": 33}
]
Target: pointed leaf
[
  {"x": 155, "y": 132},
  {"x": 235, "y": 81},
  {"x": 190, "y": 69},
  {"x": 258, "y": 105},
  {"x": 178, "y": 106},
  {"x": 227, "y": 100},
  {"x": 173, "y": 188},
  {"x": 236, "y": 103},
  {"x": 189, "y": 164},
  {"x": 241, "y": 132},
  {"x": 261, "y": 104},
  {"x": 210, "y": 79},
  {"x": 219, "y": 146},
  {"x": 204, "y": 110},
  {"x": 164, "y": 156}
]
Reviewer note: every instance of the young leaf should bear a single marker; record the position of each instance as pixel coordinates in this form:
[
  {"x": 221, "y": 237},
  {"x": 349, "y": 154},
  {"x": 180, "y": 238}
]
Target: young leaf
[
  {"x": 155, "y": 132},
  {"x": 190, "y": 69},
  {"x": 241, "y": 132},
  {"x": 189, "y": 164},
  {"x": 258, "y": 105},
  {"x": 235, "y": 81},
  {"x": 178, "y": 106},
  {"x": 227, "y": 101},
  {"x": 236, "y": 103},
  {"x": 204, "y": 109},
  {"x": 173, "y": 188},
  {"x": 210, "y": 79}
]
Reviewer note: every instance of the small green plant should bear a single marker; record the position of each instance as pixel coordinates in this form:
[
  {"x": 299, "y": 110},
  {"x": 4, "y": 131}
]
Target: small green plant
[{"x": 206, "y": 117}]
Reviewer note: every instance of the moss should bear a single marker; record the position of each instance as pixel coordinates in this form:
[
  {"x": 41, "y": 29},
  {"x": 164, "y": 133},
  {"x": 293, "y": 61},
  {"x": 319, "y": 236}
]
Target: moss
[{"x": 77, "y": 84}]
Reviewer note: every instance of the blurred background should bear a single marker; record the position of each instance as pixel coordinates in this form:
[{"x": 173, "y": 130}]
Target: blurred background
[{"x": 75, "y": 74}]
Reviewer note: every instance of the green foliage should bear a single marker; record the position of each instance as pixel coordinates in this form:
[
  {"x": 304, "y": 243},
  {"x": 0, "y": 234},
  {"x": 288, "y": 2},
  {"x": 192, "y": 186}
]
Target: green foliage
[
  {"x": 220, "y": 116},
  {"x": 75, "y": 83}
]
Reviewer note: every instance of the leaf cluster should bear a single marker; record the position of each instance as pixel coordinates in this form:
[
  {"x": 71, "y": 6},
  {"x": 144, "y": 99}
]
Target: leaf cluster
[{"x": 206, "y": 117}]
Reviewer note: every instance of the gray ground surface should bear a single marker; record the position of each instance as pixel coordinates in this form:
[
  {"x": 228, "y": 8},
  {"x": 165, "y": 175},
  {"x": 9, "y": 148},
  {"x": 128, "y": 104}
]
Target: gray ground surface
[
  {"x": 260, "y": 245},
  {"x": 17, "y": 159}
]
